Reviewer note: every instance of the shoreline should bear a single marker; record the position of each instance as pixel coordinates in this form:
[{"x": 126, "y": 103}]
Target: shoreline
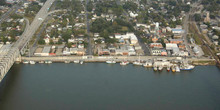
[{"x": 101, "y": 59}]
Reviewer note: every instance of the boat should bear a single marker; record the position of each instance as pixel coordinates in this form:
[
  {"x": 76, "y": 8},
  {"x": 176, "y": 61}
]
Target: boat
[
  {"x": 110, "y": 61},
  {"x": 160, "y": 68},
  {"x": 147, "y": 64},
  {"x": 66, "y": 61},
  {"x": 81, "y": 62},
  {"x": 32, "y": 62},
  {"x": 168, "y": 68},
  {"x": 76, "y": 61},
  {"x": 41, "y": 61},
  {"x": 138, "y": 63},
  {"x": 124, "y": 63},
  {"x": 173, "y": 69},
  {"x": 155, "y": 68},
  {"x": 177, "y": 69},
  {"x": 186, "y": 66},
  {"x": 25, "y": 62},
  {"x": 48, "y": 62}
]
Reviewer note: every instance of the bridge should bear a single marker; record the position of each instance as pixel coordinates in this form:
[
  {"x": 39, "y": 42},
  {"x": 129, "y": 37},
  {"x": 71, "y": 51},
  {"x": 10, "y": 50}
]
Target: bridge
[{"x": 11, "y": 53}]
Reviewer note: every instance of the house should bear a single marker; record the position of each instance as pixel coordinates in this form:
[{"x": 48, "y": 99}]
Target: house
[
  {"x": 173, "y": 48},
  {"x": 118, "y": 36},
  {"x": 155, "y": 51},
  {"x": 156, "y": 45},
  {"x": 182, "y": 47},
  {"x": 47, "y": 40},
  {"x": 205, "y": 31},
  {"x": 80, "y": 52},
  {"x": 46, "y": 51},
  {"x": 121, "y": 52},
  {"x": 163, "y": 53},
  {"x": 103, "y": 51},
  {"x": 154, "y": 39},
  {"x": 177, "y": 31},
  {"x": 215, "y": 37},
  {"x": 177, "y": 36},
  {"x": 176, "y": 41}
]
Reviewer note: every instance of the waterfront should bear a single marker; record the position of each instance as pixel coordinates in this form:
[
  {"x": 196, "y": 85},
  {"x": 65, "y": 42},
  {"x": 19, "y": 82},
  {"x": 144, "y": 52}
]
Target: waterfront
[{"x": 100, "y": 86}]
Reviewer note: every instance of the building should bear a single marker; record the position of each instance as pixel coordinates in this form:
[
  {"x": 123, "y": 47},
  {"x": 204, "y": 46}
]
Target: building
[
  {"x": 156, "y": 45},
  {"x": 173, "y": 48},
  {"x": 155, "y": 51},
  {"x": 46, "y": 51},
  {"x": 177, "y": 31},
  {"x": 176, "y": 41},
  {"x": 177, "y": 36},
  {"x": 207, "y": 18},
  {"x": 133, "y": 39}
]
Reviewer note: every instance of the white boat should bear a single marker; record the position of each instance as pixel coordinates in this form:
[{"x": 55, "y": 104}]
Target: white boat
[
  {"x": 110, "y": 61},
  {"x": 177, "y": 69},
  {"x": 81, "y": 62},
  {"x": 76, "y": 61},
  {"x": 25, "y": 62},
  {"x": 138, "y": 63},
  {"x": 41, "y": 61},
  {"x": 32, "y": 62},
  {"x": 168, "y": 68},
  {"x": 155, "y": 68},
  {"x": 160, "y": 68},
  {"x": 124, "y": 63},
  {"x": 148, "y": 64},
  {"x": 48, "y": 62},
  {"x": 186, "y": 67},
  {"x": 66, "y": 61}
]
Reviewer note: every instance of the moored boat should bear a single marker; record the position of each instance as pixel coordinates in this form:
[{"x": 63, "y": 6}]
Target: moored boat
[
  {"x": 76, "y": 61},
  {"x": 25, "y": 62},
  {"x": 81, "y": 62},
  {"x": 138, "y": 63},
  {"x": 110, "y": 61},
  {"x": 148, "y": 64},
  {"x": 160, "y": 68},
  {"x": 186, "y": 67},
  {"x": 173, "y": 69},
  {"x": 168, "y": 68},
  {"x": 66, "y": 61},
  {"x": 177, "y": 69},
  {"x": 48, "y": 62},
  {"x": 41, "y": 61},
  {"x": 123, "y": 63},
  {"x": 32, "y": 62},
  {"x": 155, "y": 68}
]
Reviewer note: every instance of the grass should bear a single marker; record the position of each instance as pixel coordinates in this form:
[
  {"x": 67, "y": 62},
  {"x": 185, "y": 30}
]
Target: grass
[{"x": 204, "y": 62}]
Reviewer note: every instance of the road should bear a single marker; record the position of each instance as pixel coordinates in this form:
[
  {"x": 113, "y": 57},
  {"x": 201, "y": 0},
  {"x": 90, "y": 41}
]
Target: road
[
  {"x": 89, "y": 48},
  {"x": 186, "y": 27},
  {"x": 38, "y": 20},
  {"x": 7, "y": 14},
  {"x": 34, "y": 46}
]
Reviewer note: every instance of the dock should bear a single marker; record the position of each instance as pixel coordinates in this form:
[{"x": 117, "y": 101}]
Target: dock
[{"x": 105, "y": 58}]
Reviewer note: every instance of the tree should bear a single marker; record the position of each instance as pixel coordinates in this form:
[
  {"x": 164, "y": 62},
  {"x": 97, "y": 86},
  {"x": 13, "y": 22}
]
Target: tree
[
  {"x": 90, "y": 6},
  {"x": 2, "y": 2},
  {"x": 130, "y": 6},
  {"x": 41, "y": 41}
]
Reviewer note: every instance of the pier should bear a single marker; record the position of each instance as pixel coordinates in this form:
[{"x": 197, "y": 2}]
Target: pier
[{"x": 105, "y": 58}]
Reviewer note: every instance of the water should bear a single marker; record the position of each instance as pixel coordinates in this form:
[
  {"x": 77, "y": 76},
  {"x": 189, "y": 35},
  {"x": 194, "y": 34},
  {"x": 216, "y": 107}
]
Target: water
[{"x": 99, "y": 86}]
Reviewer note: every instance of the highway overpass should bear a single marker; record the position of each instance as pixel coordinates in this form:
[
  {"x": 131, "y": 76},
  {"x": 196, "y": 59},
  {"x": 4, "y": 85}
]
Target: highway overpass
[{"x": 10, "y": 54}]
